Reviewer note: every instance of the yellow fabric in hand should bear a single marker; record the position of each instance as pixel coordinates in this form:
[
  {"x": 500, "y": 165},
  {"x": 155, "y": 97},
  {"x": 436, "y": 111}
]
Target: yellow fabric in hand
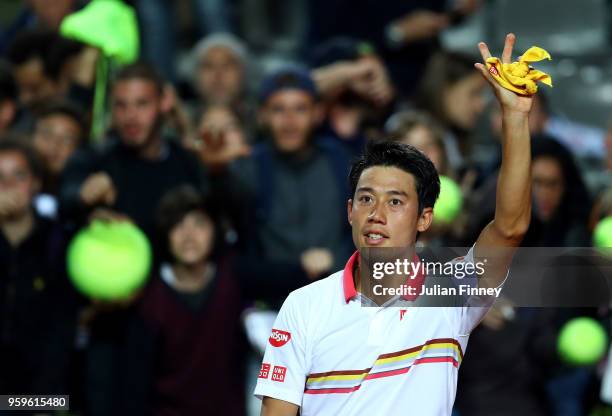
[{"x": 519, "y": 76}]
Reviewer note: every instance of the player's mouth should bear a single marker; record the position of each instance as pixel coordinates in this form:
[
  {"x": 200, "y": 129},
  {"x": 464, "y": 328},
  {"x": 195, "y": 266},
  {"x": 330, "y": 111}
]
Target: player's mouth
[{"x": 375, "y": 238}]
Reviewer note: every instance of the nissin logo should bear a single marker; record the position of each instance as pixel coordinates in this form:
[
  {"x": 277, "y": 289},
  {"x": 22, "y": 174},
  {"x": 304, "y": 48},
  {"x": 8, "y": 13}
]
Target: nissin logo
[{"x": 279, "y": 338}]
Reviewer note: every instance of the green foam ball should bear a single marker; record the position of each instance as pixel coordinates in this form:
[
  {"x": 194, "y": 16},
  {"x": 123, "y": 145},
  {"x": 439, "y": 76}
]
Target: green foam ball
[
  {"x": 109, "y": 260},
  {"x": 602, "y": 236},
  {"x": 449, "y": 203},
  {"x": 582, "y": 342}
]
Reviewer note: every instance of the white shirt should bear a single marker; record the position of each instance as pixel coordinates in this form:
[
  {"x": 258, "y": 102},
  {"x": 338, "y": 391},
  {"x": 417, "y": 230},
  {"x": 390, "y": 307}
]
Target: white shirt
[{"x": 331, "y": 356}]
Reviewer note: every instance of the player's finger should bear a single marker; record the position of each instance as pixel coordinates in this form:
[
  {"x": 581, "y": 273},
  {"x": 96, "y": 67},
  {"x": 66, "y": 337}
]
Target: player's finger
[
  {"x": 485, "y": 73},
  {"x": 484, "y": 51},
  {"x": 508, "y": 46}
]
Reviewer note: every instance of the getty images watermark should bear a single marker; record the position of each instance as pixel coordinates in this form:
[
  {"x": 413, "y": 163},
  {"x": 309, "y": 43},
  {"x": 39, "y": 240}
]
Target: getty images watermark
[
  {"x": 412, "y": 271},
  {"x": 458, "y": 276}
]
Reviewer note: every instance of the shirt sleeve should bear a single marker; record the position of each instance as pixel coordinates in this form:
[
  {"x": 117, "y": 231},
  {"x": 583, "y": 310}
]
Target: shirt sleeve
[
  {"x": 474, "y": 307},
  {"x": 285, "y": 364}
]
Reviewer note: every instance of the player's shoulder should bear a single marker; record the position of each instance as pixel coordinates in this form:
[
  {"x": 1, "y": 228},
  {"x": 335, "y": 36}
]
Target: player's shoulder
[{"x": 319, "y": 291}]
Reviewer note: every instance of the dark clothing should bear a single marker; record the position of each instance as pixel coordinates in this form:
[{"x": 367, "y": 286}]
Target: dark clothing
[
  {"x": 140, "y": 183},
  {"x": 367, "y": 20},
  {"x": 292, "y": 202},
  {"x": 37, "y": 313},
  {"x": 503, "y": 371},
  {"x": 181, "y": 360}
]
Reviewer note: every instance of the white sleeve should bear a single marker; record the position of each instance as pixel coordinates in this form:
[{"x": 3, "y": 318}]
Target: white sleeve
[
  {"x": 474, "y": 308},
  {"x": 285, "y": 363}
]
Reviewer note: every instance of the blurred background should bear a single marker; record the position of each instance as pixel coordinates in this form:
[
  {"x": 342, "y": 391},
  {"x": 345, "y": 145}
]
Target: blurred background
[{"x": 171, "y": 170}]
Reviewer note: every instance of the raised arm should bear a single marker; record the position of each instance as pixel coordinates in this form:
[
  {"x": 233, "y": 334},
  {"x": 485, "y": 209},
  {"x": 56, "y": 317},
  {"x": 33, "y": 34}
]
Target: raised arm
[{"x": 499, "y": 238}]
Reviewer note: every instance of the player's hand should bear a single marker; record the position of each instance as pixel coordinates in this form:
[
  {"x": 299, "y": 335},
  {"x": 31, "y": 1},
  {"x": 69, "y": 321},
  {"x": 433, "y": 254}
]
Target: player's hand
[
  {"x": 510, "y": 102},
  {"x": 316, "y": 262},
  {"x": 98, "y": 189}
]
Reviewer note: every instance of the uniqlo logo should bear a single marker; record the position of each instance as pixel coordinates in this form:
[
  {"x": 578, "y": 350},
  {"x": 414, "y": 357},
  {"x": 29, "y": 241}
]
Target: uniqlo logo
[
  {"x": 278, "y": 374},
  {"x": 402, "y": 313},
  {"x": 264, "y": 371}
]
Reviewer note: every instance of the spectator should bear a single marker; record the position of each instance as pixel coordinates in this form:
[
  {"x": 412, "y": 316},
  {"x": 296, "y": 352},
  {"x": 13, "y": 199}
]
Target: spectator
[
  {"x": 452, "y": 92},
  {"x": 192, "y": 298},
  {"x": 356, "y": 91},
  {"x": 220, "y": 76},
  {"x": 36, "y": 320},
  {"x": 29, "y": 57},
  {"x": 423, "y": 132},
  {"x": 47, "y": 67},
  {"x": 136, "y": 166},
  {"x": 59, "y": 131},
  {"x": 405, "y": 33},
  {"x": 562, "y": 203},
  {"x": 8, "y": 99},
  {"x": 561, "y": 200},
  {"x": 303, "y": 230},
  {"x": 158, "y": 28}
]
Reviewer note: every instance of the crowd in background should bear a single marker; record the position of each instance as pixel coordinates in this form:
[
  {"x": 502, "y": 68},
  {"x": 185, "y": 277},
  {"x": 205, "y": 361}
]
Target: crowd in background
[{"x": 229, "y": 143}]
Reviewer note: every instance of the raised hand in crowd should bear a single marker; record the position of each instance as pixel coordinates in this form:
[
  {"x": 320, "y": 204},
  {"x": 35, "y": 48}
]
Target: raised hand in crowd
[
  {"x": 220, "y": 138},
  {"x": 316, "y": 262},
  {"x": 98, "y": 189}
]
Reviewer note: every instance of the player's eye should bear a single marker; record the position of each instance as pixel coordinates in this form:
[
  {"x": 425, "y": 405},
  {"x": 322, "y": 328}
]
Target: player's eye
[
  {"x": 365, "y": 199},
  {"x": 396, "y": 201}
]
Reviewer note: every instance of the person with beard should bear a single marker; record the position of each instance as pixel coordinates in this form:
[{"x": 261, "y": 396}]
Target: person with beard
[{"x": 136, "y": 165}]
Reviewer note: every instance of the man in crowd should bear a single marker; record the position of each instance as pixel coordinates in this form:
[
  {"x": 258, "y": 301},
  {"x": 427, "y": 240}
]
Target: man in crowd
[
  {"x": 36, "y": 319},
  {"x": 302, "y": 230},
  {"x": 136, "y": 165}
]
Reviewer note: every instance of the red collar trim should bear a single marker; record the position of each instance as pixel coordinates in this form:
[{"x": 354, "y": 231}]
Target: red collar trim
[{"x": 349, "y": 283}]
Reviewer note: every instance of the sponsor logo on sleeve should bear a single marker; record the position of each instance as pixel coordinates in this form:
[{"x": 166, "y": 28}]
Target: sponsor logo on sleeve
[
  {"x": 278, "y": 373},
  {"x": 279, "y": 338},
  {"x": 264, "y": 371}
]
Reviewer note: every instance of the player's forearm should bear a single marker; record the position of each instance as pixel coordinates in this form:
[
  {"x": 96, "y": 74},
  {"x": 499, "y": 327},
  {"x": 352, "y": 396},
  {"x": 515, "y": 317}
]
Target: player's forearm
[{"x": 513, "y": 202}]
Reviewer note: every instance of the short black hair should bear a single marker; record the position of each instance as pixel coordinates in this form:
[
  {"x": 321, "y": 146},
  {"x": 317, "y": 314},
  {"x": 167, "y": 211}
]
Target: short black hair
[
  {"x": 32, "y": 44},
  {"x": 16, "y": 144},
  {"x": 172, "y": 209},
  {"x": 402, "y": 156},
  {"x": 65, "y": 108},
  {"x": 143, "y": 71}
]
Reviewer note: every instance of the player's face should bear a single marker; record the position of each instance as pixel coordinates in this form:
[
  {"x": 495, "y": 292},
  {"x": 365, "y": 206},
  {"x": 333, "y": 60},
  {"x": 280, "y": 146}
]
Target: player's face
[
  {"x": 384, "y": 209},
  {"x": 191, "y": 240},
  {"x": 56, "y": 137},
  {"x": 291, "y": 115},
  {"x": 137, "y": 111},
  {"x": 548, "y": 186}
]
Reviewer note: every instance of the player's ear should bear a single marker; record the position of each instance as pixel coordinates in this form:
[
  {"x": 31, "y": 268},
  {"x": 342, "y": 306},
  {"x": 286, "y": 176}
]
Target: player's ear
[
  {"x": 349, "y": 211},
  {"x": 425, "y": 219}
]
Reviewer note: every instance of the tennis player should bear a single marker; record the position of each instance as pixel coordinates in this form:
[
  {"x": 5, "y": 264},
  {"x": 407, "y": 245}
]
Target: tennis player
[{"x": 329, "y": 355}]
